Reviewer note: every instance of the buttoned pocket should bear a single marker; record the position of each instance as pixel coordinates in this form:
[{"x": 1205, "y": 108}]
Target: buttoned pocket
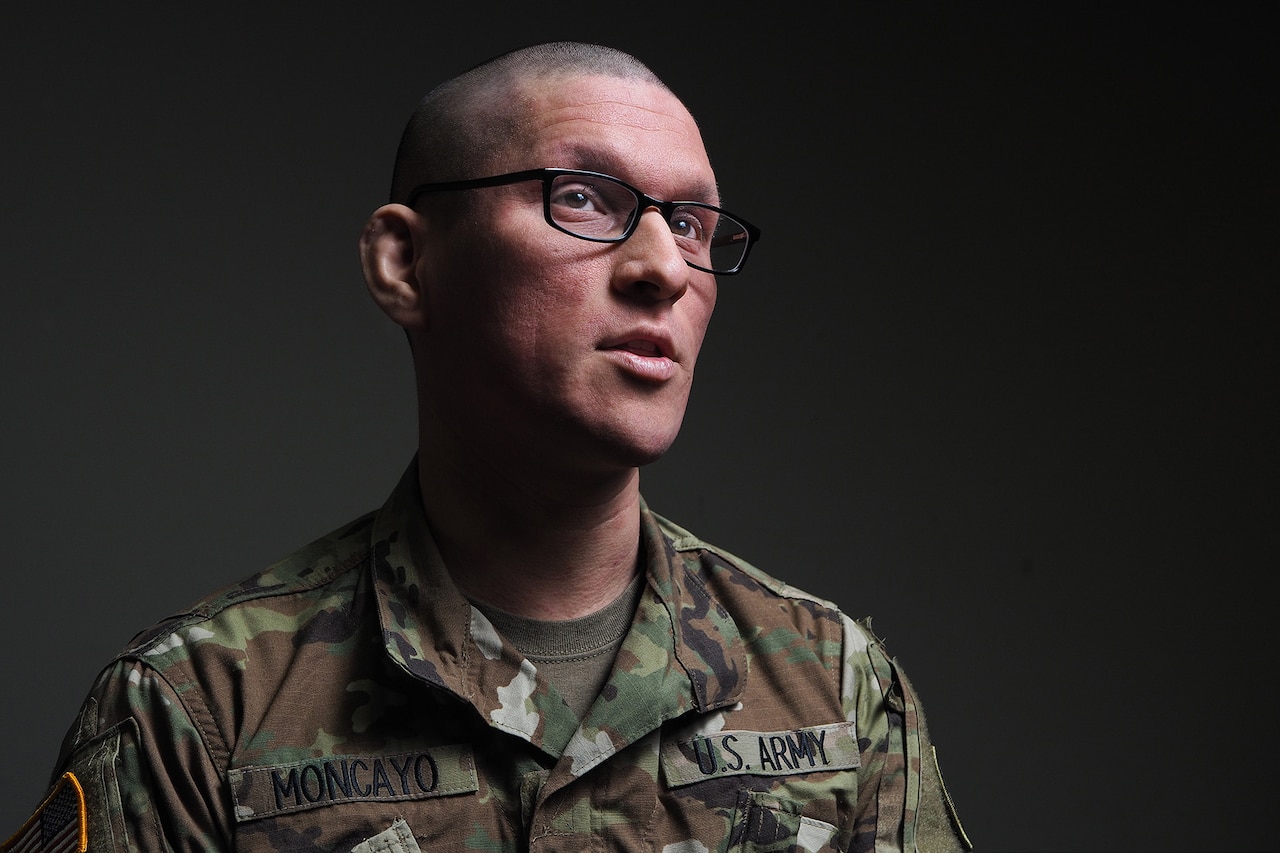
[
  {"x": 94, "y": 763},
  {"x": 767, "y": 824}
]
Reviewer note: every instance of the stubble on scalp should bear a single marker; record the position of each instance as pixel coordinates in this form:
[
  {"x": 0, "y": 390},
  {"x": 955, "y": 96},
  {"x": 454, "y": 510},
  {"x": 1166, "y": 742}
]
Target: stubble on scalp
[{"x": 462, "y": 128}]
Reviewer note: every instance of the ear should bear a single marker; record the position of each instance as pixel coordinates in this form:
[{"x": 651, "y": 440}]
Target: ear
[{"x": 389, "y": 258}]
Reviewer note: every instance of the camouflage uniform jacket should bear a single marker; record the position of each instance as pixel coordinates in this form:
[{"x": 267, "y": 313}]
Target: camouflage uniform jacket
[{"x": 350, "y": 698}]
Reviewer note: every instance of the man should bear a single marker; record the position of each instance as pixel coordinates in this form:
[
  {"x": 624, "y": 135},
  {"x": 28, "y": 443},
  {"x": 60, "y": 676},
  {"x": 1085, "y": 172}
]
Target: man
[{"x": 514, "y": 653}]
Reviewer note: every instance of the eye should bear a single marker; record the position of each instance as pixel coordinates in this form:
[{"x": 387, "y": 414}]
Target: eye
[
  {"x": 693, "y": 223},
  {"x": 574, "y": 199},
  {"x": 579, "y": 197}
]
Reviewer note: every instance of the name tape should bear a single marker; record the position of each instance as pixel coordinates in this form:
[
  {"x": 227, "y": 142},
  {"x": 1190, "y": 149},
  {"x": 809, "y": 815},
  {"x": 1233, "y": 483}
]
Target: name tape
[
  {"x": 436, "y": 772},
  {"x": 812, "y": 749}
]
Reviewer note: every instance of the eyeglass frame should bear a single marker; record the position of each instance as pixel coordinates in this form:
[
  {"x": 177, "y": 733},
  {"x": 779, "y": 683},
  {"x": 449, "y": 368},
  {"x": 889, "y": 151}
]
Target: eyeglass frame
[{"x": 645, "y": 201}]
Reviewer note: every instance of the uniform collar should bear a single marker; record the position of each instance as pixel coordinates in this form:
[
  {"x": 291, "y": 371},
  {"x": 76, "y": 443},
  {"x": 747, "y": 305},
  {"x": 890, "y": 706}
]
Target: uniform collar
[{"x": 682, "y": 653}]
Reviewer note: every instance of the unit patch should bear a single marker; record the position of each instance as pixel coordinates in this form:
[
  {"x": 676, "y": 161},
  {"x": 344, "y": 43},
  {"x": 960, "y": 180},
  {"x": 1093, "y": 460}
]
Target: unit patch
[
  {"x": 436, "y": 772},
  {"x": 737, "y": 753}
]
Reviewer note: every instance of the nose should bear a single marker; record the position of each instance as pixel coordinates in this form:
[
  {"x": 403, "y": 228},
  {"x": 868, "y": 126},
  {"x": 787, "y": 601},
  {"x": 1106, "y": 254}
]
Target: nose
[{"x": 651, "y": 266}]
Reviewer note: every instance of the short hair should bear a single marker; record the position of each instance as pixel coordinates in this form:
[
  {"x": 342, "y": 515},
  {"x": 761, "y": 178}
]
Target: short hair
[{"x": 464, "y": 123}]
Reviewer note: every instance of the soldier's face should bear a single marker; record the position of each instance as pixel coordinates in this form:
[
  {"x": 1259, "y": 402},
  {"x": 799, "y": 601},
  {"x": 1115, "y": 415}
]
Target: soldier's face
[{"x": 581, "y": 352}]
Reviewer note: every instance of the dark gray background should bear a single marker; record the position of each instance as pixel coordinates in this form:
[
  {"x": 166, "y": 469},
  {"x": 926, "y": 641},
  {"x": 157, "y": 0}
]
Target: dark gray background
[{"x": 1002, "y": 372}]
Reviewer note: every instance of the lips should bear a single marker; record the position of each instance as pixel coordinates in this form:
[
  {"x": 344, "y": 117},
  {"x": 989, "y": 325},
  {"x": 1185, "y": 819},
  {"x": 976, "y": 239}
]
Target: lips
[
  {"x": 640, "y": 347},
  {"x": 643, "y": 343},
  {"x": 644, "y": 355}
]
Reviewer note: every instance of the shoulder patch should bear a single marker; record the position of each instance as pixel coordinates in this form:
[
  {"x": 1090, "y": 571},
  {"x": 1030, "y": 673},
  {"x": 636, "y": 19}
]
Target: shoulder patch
[
  {"x": 812, "y": 749},
  {"x": 59, "y": 824}
]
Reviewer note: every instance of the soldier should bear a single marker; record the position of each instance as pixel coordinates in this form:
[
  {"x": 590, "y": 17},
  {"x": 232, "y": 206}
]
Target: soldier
[{"x": 515, "y": 652}]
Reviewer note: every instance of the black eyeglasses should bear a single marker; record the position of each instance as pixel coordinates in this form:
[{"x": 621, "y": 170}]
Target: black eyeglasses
[{"x": 603, "y": 209}]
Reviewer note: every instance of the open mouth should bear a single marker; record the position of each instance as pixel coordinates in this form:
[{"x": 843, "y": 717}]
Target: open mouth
[
  {"x": 646, "y": 358},
  {"x": 646, "y": 348}
]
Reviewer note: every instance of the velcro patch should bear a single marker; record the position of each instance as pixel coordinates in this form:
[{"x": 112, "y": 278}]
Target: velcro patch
[
  {"x": 436, "y": 772},
  {"x": 58, "y": 826},
  {"x": 812, "y": 749}
]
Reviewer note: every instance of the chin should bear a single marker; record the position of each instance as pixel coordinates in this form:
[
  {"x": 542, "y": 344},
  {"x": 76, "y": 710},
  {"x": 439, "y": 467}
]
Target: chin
[
  {"x": 652, "y": 450},
  {"x": 633, "y": 449},
  {"x": 648, "y": 457}
]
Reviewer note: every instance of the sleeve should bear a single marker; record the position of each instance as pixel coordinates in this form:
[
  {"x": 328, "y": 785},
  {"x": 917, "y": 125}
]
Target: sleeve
[
  {"x": 148, "y": 780},
  {"x": 902, "y": 803}
]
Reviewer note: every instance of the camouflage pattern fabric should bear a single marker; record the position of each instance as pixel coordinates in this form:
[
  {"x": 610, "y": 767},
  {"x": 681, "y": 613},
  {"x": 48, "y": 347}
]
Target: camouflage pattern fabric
[{"x": 349, "y": 695}]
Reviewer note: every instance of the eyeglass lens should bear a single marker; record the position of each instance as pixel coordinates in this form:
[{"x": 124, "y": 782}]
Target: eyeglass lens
[{"x": 598, "y": 208}]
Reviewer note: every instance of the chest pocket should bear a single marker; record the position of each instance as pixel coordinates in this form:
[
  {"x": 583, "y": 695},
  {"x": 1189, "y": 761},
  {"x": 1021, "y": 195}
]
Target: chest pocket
[
  {"x": 767, "y": 824},
  {"x": 779, "y": 775}
]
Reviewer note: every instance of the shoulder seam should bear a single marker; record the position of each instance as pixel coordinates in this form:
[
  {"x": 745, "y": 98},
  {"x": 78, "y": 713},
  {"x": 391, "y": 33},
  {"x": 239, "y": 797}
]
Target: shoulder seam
[
  {"x": 683, "y": 541},
  {"x": 228, "y": 597},
  {"x": 203, "y": 722}
]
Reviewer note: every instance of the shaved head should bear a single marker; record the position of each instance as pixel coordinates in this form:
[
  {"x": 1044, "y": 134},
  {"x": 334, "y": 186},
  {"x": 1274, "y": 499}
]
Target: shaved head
[{"x": 466, "y": 123}]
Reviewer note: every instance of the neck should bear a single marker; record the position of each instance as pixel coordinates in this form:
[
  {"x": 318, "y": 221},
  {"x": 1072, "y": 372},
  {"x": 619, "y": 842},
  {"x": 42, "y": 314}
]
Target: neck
[{"x": 534, "y": 544}]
